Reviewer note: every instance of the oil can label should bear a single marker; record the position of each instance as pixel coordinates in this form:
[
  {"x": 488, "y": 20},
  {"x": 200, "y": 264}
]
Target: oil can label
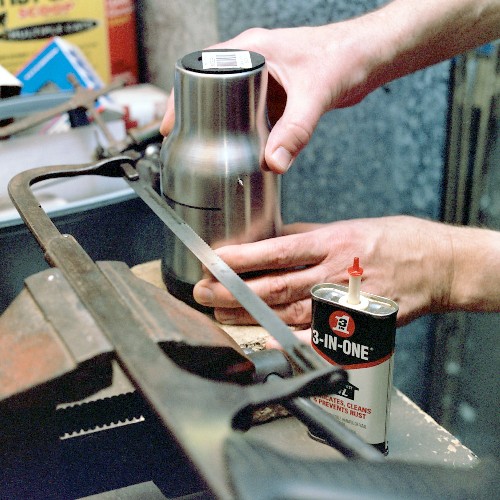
[
  {"x": 363, "y": 345},
  {"x": 362, "y": 403}
]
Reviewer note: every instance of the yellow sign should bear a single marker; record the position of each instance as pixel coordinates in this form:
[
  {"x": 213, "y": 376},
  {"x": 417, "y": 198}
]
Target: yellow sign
[{"x": 26, "y": 26}]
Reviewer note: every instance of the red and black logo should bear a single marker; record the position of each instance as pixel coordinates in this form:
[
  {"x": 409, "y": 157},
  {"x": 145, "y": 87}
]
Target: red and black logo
[
  {"x": 350, "y": 338},
  {"x": 342, "y": 324}
]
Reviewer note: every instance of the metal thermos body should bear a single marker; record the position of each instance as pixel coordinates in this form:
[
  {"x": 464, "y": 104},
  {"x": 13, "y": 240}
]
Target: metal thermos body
[{"x": 213, "y": 172}]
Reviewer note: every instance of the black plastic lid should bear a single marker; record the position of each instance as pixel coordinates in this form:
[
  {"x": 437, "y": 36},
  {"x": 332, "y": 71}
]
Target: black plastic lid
[{"x": 193, "y": 62}]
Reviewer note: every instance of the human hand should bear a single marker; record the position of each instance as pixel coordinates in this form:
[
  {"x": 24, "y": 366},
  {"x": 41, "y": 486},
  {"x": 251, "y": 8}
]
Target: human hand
[
  {"x": 304, "y": 82},
  {"x": 406, "y": 259}
]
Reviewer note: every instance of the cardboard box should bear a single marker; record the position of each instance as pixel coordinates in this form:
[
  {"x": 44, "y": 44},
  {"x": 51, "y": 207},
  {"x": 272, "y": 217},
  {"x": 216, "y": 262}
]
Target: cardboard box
[
  {"x": 52, "y": 65},
  {"x": 104, "y": 30}
]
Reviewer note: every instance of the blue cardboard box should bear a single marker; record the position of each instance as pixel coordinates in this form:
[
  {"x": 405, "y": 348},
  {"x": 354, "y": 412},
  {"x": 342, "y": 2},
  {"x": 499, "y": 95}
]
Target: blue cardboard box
[{"x": 52, "y": 65}]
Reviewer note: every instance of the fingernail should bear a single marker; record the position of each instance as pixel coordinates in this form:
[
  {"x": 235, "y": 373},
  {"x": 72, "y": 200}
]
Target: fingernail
[
  {"x": 282, "y": 158},
  {"x": 203, "y": 295}
]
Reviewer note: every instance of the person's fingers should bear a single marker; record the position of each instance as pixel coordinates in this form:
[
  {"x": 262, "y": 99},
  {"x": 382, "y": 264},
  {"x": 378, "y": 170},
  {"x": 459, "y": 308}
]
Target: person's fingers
[
  {"x": 282, "y": 252},
  {"x": 168, "y": 121},
  {"x": 278, "y": 288},
  {"x": 293, "y": 130},
  {"x": 280, "y": 270}
]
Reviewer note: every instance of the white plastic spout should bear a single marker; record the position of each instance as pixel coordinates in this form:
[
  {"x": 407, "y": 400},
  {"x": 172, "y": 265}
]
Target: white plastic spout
[{"x": 354, "y": 298}]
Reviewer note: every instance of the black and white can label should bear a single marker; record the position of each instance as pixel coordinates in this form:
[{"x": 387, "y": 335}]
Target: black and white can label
[{"x": 362, "y": 342}]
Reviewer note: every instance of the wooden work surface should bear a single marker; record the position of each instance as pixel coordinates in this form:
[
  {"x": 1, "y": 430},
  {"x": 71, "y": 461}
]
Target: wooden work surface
[
  {"x": 246, "y": 336},
  {"x": 414, "y": 436}
]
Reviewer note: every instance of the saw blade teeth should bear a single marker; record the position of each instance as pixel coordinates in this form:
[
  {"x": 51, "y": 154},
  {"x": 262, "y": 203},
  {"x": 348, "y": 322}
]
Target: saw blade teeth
[
  {"x": 104, "y": 427},
  {"x": 76, "y": 419},
  {"x": 104, "y": 399}
]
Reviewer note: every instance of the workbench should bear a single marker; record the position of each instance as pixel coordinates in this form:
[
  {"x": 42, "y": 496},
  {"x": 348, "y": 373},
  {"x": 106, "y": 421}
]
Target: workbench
[
  {"x": 139, "y": 460},
  {"x": 414, "y": 436}
]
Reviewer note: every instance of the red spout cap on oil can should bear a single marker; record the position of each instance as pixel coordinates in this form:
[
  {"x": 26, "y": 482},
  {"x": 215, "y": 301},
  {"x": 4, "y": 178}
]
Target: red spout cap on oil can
[{"x": 355, "y": 270}]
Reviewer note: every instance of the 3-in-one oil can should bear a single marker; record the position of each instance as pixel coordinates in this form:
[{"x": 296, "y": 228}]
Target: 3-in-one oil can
[{"x": 361, "y": 339}]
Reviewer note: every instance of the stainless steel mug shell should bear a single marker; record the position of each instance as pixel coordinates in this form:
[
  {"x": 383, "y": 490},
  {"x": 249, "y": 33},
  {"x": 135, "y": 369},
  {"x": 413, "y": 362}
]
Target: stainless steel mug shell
[{"x": 213, "y": 171}]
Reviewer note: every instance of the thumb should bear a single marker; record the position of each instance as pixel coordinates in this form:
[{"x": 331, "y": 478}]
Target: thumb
[
  {"x": 292, "y": 131},
  {"x": 168, "y": 121}
]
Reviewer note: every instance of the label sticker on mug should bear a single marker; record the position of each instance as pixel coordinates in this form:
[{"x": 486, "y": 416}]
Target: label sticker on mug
[{"x": 226, "y": 60}]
